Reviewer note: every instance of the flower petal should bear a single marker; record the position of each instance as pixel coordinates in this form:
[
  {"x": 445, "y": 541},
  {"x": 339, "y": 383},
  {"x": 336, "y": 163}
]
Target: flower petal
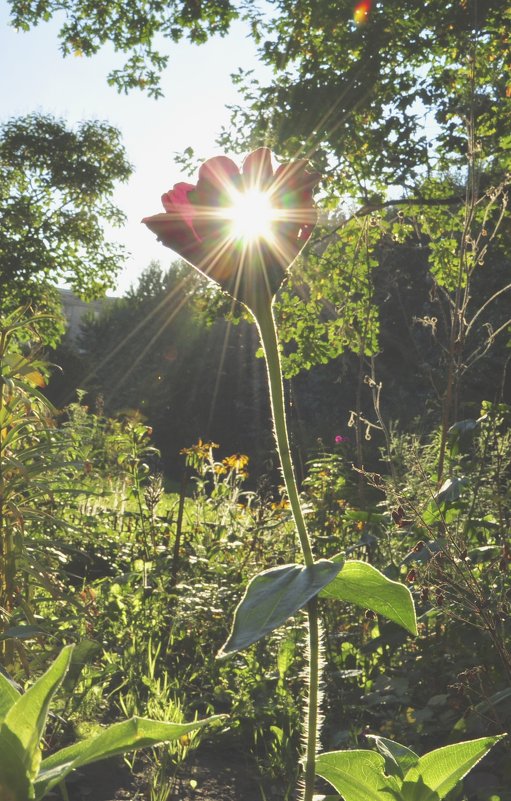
[
  {"x": 217, "y": 177},
  {"x": 177, "y": 200},
  {"x": 293, "y": 177},
  {"x": 257, "y": 168},
  {"x": 173, "y": 232},
  {"x": 197, "y": 227}
]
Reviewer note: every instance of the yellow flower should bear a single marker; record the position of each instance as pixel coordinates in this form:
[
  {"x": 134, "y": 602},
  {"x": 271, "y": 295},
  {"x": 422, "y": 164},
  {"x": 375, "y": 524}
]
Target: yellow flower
[
  {"x": 238, "y": 461},
  {"x": 201, "y": 449}
]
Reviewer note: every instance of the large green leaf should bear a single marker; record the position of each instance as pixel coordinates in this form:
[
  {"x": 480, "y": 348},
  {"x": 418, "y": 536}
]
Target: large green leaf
[
  {"x": 8, "y": 695},
  {"x": 437, "y": 772},
  {"x": 362, "y": 584},
  {"x": 120, "y": 738},
  {"x": 26, "y": 719},
  {"x": 272, "y": 597},
  {"x": 398, "y": 758},
  {"x": 15, "y": 783},
  {"x": 358, "y": 775}
]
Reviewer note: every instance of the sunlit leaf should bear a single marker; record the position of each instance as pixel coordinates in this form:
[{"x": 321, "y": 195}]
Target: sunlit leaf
[
  {"x": 398, "y": 758},
  {"x": 120, "y": 738},
  {"x": 440, "y": 770},
  {"x": 272, "y": 597},
  {"x": 358, "y": 775},
  {"x": 362, "y": 584}
]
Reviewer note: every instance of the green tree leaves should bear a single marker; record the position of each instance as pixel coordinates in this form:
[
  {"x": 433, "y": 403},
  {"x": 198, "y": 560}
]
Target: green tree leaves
[
  {"x": 132, "y": 27},
  {"x": 55, "y": 187}
]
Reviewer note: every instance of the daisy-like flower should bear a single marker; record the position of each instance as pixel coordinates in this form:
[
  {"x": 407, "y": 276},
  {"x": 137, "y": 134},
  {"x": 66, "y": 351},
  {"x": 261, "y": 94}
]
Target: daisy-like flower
[{"x": 243, "y": 229}]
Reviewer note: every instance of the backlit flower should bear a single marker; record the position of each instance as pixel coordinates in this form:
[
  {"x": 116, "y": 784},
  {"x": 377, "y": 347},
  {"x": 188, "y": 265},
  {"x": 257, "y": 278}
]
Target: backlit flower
[{"x": 242, "y": 228}]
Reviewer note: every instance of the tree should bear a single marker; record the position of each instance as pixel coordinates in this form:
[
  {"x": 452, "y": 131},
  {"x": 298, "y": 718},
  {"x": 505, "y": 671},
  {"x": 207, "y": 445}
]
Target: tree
[
  {"x": 381, "y": 103},
  {"x": 132, "y": 27},
  {"x": 55, "y": 188},
  {"x": 153, "y": 352}
]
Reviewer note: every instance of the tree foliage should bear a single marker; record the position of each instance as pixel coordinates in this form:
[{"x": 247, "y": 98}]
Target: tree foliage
[
  {"x": 379, "y": 103},
  {"x": 152, "y": 351},
  {"x": 55, "y": 189},
  {"x": 132, "y": 27}
]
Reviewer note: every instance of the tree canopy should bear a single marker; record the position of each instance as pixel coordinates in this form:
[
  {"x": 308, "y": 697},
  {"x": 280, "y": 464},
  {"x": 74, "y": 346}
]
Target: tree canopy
[
  {"x": 55, "y": 190},
  {"x": 132, "y": 27},
  {"x": 382, "y": 103},
  {"x": 376, "y": 103}
]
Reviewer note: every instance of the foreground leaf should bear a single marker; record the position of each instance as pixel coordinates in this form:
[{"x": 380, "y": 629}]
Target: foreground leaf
[
  {"x": 272, "y": 597},
  {"x": 26, "y": 718},
  {"x": 358, "y": 775},
  {"x": 398, "y": 758},
  {"x": 120, "y": 738},
  {"x": 22, "y": 729},
  {"x": 8, "y": 695},
  {"x": 362, "y": 584},
  {"x": 440, "y": 770}
]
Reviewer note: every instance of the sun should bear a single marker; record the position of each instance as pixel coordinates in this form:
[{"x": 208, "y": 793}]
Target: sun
[{"x": 251, "y": 215}]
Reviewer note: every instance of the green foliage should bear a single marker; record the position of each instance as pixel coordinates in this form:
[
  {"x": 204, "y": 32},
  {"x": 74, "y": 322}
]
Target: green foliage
[
  {"x": 364, "y": 585},
  {"x": 154, "y": 352},
  {"x": 132, "y": 28},
  {"x": 339, "y": 276},
  {"x": 362, "y": 775},
  {"x": 28, "y": 460},
  {"x": 24, "y": 776},
  {"x": 55, "y": 191},
  {"x": 272, "y": 597},
  {"x": 361, "y": 98}
]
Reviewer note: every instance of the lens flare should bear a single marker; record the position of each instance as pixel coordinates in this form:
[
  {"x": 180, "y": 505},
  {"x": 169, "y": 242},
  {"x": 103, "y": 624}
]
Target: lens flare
[
  {"x": 361, "y": 12},
  {"x": 251, "y": 215}
]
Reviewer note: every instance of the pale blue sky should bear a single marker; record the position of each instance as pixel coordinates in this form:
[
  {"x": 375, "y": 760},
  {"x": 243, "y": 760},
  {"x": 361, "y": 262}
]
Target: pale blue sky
[{"x": 197, "y": 87}]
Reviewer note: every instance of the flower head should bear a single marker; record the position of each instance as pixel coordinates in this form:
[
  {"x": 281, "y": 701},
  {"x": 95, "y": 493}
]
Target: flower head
[{"x": 242, "y": 228}]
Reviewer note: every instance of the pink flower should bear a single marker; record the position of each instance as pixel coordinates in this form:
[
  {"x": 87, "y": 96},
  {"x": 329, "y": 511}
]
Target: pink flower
[
  {"x": 197, "y": 223},
  {"x": 340, "y": 439}
]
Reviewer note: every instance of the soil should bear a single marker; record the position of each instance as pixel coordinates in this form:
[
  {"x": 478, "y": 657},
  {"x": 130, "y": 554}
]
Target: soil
[{"x": 208, "y": 776}]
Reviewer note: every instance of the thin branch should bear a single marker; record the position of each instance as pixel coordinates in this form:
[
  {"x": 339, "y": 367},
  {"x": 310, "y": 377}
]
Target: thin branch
[
  {"x": 485, "y": 305},
  {"x": 370, "y": 208}
]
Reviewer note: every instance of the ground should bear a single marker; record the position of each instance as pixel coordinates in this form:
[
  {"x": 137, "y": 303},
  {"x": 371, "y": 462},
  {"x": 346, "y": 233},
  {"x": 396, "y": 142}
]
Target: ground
[{"x": 219, "y": 776}]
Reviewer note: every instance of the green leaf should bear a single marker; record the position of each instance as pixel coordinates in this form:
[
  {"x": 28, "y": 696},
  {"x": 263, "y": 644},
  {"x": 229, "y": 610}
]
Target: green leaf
[
  {"x": 362, "y": 584},
  {"x": 24, "y": 723},
  {"x": 398, "y": 758},
  {"x": 327, "y": 798},
  {"x": 8, "y": 695},
  {"x": 450, "y": 491},
  {"x": 15, "y": 784},
  {"x": 83, "y": 654},
  {"x": 120, "y": 738},
  {"x": 358, "y": 775},
  {"x": 272, "y": 597},
  {"x": 437, "y": 772},
  {"x": 23, "y": 633}
]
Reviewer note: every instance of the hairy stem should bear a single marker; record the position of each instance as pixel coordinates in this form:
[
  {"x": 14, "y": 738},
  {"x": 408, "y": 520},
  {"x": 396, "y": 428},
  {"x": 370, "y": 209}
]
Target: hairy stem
[
  {"x": 269, "y": 341},
  {"x": 268, "y": 335},
  {"x": 312, "y": 728}
]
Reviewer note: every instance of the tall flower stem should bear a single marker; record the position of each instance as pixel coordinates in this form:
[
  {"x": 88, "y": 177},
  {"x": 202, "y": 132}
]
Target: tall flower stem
[{"x": 268, "y": 334}]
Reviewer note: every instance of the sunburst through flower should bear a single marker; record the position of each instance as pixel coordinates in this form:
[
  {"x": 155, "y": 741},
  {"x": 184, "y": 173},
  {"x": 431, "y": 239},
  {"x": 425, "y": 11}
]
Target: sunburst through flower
[
  {"x": 241, "y": 228},
  {"x": 251, "y": 215}
]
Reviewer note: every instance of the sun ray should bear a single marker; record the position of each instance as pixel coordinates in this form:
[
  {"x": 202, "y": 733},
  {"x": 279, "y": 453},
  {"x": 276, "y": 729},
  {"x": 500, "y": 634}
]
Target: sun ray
[{"x": 251, "y": 215}]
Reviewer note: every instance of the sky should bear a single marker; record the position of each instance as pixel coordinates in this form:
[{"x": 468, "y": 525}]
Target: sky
[{"x": 197, "y": 88}]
